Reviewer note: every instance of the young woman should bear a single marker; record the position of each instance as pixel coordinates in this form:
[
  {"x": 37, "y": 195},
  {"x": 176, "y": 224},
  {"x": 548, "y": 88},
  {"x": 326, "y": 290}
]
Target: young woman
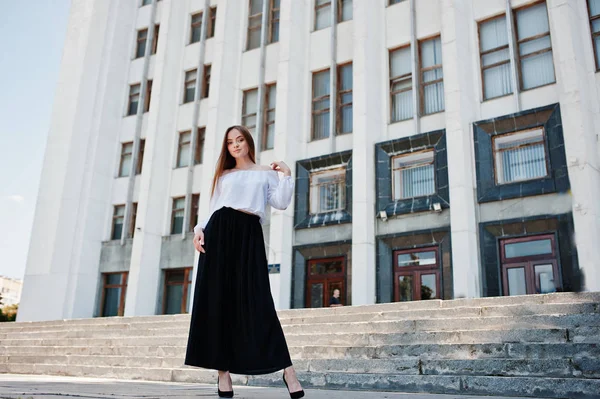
[{"x": 234, "y": 327}]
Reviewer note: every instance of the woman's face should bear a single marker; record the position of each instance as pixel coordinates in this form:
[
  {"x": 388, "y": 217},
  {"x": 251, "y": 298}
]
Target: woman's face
[{"x": 237, "y": 144}]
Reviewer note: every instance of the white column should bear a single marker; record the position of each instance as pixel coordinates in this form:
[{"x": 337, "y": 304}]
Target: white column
[
  {"x": 292, "y": 77},
  {"x": 460, "y": 98},
  {"x": 575, "y": 75},
  {"x": 61, "y": 275},
  {"x": 154, "y": 201},
  {"x": 368, "y": 123}
]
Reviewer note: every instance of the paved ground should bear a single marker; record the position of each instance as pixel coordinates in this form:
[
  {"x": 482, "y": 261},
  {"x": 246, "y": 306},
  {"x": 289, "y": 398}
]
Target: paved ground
[{"x": 50, "y": 387}]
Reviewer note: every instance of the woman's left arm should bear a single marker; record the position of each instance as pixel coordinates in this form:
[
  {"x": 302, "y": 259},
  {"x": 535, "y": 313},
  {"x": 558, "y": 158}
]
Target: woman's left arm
[{"x": 280, "y": 191}]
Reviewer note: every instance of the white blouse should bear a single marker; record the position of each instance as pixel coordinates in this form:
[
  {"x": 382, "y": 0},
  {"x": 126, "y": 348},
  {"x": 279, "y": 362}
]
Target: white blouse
[{"x": 250, "y": 190}]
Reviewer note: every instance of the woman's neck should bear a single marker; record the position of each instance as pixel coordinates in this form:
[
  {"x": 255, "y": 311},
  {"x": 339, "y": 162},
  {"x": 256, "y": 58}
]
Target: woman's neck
[{"x": 244, "y": 163}]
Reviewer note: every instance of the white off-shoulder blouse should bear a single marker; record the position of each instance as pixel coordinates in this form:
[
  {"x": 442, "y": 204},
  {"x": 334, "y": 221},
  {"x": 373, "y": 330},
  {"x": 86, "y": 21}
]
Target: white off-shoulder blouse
[{"x": 250, "y": 191}]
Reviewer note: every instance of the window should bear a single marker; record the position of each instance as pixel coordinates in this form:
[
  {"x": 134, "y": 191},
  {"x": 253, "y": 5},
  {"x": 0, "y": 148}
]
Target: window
[
  {"x": 196, "y": 27},
  {"x": 401, "y": 84},
  {"x": 177, "y": 215},
  {"x": 140, "y": 159},
  {"x": 534, "y": 46},
  {"x": 391, "y": 2},
  {"x": 344, "y": 99},
  {"x": 344, "y": 10},
  {"x": 254, "y": 24},
  {"x": 328, "y": 191},
  {"x": 520, "y": 156},
  {"x": 495, "y": 58},
  {"x": 146, "y": 2},
  {"x": 177, "y": 290},
  {"x": 594, "y": 10},
  {"x": 529, "y": 265},
  {"x": 194, "y": 212},
  {"x": 126, "y": 155},
  {"x": 413, "y": 175},
  {"x": 323, "y": 277},
  {"x": 142, "y": 36},
  {"x": 190, "y": 86},
  {"x": 271, "y": 100},
  {"x": 148, "y": 96},
  {"x": 142, "y": 39},
  {"x": 206, "y": 82},
  {"x": 134, "y": 98},
  {"x": 322, "y": 14},
  {"x": 199, "y": 152},
  {"x": 416, "y": 275},
  {"x": 131, "y": 227},
  {"x": 249, "y": 109},
  {"x": 320, "y": 105},
  {"x": 431, "y": 76},
  {"x": 114, "y": 288},
  {"x": 117, "y": 222},
  {"x": 274, "y": 21},
  {"x": 183, "y": 149}
]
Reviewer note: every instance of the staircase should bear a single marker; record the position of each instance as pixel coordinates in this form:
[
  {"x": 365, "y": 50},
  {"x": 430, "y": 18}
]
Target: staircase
[{"x": 535, "y": 345}]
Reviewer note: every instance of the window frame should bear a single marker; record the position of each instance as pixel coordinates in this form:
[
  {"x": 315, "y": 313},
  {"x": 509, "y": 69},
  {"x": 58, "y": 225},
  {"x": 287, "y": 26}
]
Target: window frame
[
  {"x": 340, "y": 11},
  {"x": 188, "y": 80},
  {"x": 408, "y": 155},
  {"x": 194, "y": 208},
  {"x": 124, "y": 153},
  {"x": 341, "y": 170},
  {"x": 206, "y": 71},
  {"x": 180, "y": 144},
  {"x": 315, "y": 100},
  {"x": 186, "y": 283},
  {"x": 122, "y": 286},
  {"x": 340, "y": 94},
  {"x": 199, "y": 150},
  {"x": 244, "y": 110},
  {"x": 138, "y": 87},
  {"x": 593, "y": 18},
  {"x": 155, "y": 39},
  {"x": 273, "y": 21},
  {"x": 490, "y": 51},
  {"x": 397, "y": 79},
  {"x": 266, "y": 122},
  {"x": 140, "y": 159},
  {"x": 133, "y": 219},
  {"x": 173, "y": 211},
  {"x": 251, "y": 28},
  {"x": 422, "y": 71},
  {"x": 317, "y": 7},
  {"x": 517, "y": 52},
  {"x": 417, "y": 271},
  {"x": 495, "y": 153},
  {"x": 116, "y": 217},
  {"x": 210, "y": 31},
  {"x": 139, "y": 41}
]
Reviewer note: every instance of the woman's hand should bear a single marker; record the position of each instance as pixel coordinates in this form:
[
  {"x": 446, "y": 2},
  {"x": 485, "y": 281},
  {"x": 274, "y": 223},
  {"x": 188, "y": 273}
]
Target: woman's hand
[
  {"x": 280, "y": 166},
  {"x": 199, "y": 241}
]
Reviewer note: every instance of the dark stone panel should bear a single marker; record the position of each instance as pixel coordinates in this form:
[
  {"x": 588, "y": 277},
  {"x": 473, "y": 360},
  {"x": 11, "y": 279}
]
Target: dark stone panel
[
  {"x": 304, "y": 253},
  {"x": 557, "y": 180},
  {"x": 386, "y": 244},
  {"x": 384, "y": 151},
  {"x": 491, "y": 233},
  {"x": 302, "y": 216}
]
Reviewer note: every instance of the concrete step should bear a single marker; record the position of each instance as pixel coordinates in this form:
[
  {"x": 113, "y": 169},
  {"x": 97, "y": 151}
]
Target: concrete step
[
  {"x": 564, "y": 368},
  {"x": 581, "y": 388},
  {"x": 581, "y": 335},
  {"x": 157, "y": 322},
  {"x": 490, "y": 302},
  {"x": 424, "y": 324}
]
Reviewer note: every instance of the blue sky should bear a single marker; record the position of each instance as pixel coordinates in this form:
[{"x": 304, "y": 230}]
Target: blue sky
[{"x": 32, "y": 33}]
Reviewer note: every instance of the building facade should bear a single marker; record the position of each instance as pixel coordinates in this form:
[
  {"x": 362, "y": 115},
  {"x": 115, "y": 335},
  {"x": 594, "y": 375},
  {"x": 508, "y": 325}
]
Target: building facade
[
  {"x": 440, "y": 149},
  {"x": 10, "y": 291}
]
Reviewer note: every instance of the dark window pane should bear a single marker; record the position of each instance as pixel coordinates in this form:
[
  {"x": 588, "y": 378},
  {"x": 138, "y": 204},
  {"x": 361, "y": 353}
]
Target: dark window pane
[
  {"x": 428, "y": 286},
  {"x": 544, "y": 279},
  {"x": 117, "y": 230},
  {"x": 316, "y": 295},
  {"x": 417, "y": 259},
  {"x": 173, "y": 299},
  {"x": 528, "y": 248},
  {"x": 175, "y": 276},
  {"x": 111, "y": 301},
  {"x": 326, "y": 268},
  {"x": 405, "y": 288},
  {"x": 113, "y": 279}
]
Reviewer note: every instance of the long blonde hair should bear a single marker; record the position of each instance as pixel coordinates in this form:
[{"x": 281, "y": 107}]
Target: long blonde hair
[{"x": 226, "y": 160}]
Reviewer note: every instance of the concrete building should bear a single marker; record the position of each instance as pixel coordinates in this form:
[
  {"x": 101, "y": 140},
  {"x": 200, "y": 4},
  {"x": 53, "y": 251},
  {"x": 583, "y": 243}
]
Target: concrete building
[
  {"x": 10, "y": 291},
  {"x": 441, "y": 149}
]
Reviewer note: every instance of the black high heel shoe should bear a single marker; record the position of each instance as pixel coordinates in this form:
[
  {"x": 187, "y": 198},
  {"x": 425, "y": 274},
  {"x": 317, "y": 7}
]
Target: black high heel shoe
[
  {"x": 294, "y": 395},
  {"x": 223, "y": 394}
]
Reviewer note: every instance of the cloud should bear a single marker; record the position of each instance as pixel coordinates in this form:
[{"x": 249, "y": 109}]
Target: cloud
[{"x": 16, "y": 198}]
